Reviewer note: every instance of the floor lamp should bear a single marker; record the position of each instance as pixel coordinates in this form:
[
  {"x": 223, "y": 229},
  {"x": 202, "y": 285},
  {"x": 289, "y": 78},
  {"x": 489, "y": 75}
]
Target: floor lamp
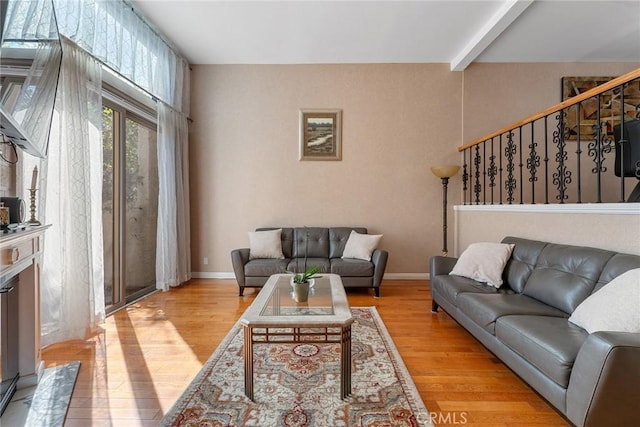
[{"x": 444, "y": 173}]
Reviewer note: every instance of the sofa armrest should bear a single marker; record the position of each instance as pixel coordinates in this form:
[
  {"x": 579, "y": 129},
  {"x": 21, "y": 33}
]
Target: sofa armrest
[
  {"x": 441, "y": 265},
  {"x": 239, "y": 257},
  {"x": 604, "y": 388},
  {"x": 379, "y": 259}
]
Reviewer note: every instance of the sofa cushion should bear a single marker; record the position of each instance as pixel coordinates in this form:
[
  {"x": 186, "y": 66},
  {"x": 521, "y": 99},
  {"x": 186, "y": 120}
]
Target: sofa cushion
[
  {"x": 265, "y": 267},
  {"x": 286, "y": 238},
  {"x": 352, "y": 267},
  {"x": 485, "y": 309},
  {"x": 618, "y": 264},
  {"x": 615, "y": 307},
  {"x": 265, "y": 244},
  {"x": 484, "y": 262},
  {"x": 361, "y": 246},
  {"x": 451, "y": 286},
  {"x": 297, "y": 265},
  {"x": 522, "y": 262},
  {"x": 317, "y": 246},
  {"x": 338, "y": 237},
  {"x": 565, "y": 275},
  {"x": 551, "y": 344}
]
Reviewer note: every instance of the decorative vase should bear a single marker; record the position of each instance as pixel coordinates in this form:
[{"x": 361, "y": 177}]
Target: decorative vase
[{"x": 300, "y": 291}]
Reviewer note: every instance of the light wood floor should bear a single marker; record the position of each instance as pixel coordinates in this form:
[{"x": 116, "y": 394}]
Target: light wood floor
[{"x": 148, "y": 353}]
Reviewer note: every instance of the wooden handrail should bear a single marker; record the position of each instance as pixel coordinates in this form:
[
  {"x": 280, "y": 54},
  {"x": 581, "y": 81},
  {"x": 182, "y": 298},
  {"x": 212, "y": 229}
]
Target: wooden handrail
[{"x": 553, "y": 109}]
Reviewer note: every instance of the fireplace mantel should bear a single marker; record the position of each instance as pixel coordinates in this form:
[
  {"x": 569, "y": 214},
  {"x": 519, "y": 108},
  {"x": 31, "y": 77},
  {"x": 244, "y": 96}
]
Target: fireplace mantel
[{"x": 21, "y": 255}]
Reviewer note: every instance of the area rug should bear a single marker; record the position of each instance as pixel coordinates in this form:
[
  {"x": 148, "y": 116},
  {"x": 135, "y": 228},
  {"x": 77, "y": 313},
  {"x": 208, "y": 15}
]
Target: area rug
[
  {"x": 299, "y": 384},
  {"x": 46, "y": 404}
]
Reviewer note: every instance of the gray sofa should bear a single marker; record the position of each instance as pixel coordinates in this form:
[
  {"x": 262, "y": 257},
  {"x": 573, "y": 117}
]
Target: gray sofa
[
  {"x": 593, "y": 379},
  {"x": 324, "y": 249}
]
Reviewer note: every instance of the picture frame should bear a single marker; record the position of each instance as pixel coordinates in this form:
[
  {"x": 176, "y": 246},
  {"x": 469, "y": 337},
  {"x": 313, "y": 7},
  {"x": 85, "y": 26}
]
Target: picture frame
[
  {"x": 320, "y": 134},
  {"x": 610, "y": 107}
]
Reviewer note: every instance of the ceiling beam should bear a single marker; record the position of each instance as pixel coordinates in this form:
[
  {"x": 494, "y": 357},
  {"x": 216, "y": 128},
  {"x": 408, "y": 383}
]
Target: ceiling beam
[{"x": 508, "y": 13}]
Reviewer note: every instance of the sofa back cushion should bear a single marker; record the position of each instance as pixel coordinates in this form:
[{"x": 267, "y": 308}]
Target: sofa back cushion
[
  {"x": 286, "y": 237},
  {"x": 522, "y": 262},
  {"x": 565, "y": 275},
  {"x": 618, "y": 264},
  {"x": 317, "y": 245},
  {"x": 338, "y": 237}
]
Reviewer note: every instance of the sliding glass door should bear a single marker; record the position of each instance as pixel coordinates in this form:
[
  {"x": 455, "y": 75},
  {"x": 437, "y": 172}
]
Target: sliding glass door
[{"x": 130, "y": 205}]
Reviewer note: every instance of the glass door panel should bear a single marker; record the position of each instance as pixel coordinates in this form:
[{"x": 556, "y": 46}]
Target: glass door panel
[
  {"x": 129, "y": 206},
  {"x": 141, "y": 206}
]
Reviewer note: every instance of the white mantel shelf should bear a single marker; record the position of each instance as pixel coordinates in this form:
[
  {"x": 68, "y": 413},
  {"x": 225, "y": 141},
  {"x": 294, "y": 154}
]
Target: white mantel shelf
[{"x": 21, "y": 255}]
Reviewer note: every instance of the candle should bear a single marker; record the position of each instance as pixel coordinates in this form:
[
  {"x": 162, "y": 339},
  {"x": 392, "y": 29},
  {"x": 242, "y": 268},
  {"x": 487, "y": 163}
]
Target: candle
[{"x": 34, "y": 178}]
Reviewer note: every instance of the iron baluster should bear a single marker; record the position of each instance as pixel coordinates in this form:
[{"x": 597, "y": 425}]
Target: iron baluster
[
  {"x": 622, "y": 144},
  {"x": 521, "y": 180},
  {"x": 546, "y": 160},
  {"x": 579, "y": 153},
  {"x": 533, "y": 162},
  {"x": 465, "y": 177},
  {"x": 477, "y": 187},
  {"x": 562, "y": 177},
  {"x": 492, "y": 171},
  {"x": 597, "y": 149},
  {"x": 500, "y": 178},
  {"x": 509, "y": 152},
  {"x": 484, "y": 172}
]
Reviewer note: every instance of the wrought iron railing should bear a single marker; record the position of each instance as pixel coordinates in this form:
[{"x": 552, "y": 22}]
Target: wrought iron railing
[{"x": 542, "y": 158}]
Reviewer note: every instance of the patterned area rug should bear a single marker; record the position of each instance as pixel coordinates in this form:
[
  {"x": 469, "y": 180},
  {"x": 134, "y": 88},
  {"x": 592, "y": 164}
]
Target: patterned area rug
[{"x": 299, "y": 384}]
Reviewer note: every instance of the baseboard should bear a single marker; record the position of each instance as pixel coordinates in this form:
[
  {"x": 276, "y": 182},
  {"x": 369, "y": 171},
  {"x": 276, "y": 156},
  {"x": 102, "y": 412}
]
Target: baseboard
[{"x": 388, "y": 276}]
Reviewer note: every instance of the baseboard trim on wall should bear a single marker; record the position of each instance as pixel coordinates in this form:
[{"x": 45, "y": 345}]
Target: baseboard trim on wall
[{"x": 388, "y": 276}]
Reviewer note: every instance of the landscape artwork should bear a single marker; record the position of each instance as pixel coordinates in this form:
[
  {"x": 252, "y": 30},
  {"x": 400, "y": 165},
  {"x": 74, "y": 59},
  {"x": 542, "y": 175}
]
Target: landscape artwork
[
  {"x": 320, "y": 135},
  {"x": 610, "y": 107}
]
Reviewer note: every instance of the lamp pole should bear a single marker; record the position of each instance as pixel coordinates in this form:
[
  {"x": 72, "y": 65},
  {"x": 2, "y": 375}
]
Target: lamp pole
[
  {"x": 444, "y": 173},
  {"x": 445, "y": 183}
]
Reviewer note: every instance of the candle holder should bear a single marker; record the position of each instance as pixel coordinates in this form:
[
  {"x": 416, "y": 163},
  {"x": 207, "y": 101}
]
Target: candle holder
[{"x": 32, "y": 207}]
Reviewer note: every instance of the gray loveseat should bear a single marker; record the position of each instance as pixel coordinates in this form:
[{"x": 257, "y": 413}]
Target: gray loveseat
[
  {"x": 324, "y": 249},
  {"x": 593, "y": 379}
]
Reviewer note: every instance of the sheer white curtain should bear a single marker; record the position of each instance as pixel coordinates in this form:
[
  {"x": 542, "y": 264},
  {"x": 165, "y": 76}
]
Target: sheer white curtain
[
  {"x": 173, "y": 256},
  {"x": 72, "y": 295},
  {"x": 113, "y": 32}
]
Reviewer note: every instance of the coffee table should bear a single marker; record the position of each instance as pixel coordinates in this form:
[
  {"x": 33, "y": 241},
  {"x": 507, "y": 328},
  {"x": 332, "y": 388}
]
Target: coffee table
[{"x": 275, "y": 317}]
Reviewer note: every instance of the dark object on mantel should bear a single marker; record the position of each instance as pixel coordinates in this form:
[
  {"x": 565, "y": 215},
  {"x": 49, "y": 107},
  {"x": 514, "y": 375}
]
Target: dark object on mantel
[
  {"x": 14, "y": 228},
  {"x": 16, "y": 209}
]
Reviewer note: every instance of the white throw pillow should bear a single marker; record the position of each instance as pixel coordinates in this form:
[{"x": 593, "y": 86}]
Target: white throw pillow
[
  {"x": 265, "y": 244},
  {"x": 614, "y": 307},
  {"x": 484, "y": 262},
  {"x": 361, "y": 246}
]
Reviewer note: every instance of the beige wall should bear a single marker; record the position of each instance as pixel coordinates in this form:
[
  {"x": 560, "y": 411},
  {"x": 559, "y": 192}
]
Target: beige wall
[
  {"x": 398, "y": 120},
  {"x": 614, "y": 227}
]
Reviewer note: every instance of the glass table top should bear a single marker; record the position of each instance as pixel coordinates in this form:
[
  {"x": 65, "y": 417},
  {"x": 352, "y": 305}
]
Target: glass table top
[{"x": 282, "y": 303}]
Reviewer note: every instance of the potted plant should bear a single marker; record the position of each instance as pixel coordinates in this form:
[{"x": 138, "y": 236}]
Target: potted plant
[
  {"x": 302, "y": 281},
  {"x": 307, "y": 276}
]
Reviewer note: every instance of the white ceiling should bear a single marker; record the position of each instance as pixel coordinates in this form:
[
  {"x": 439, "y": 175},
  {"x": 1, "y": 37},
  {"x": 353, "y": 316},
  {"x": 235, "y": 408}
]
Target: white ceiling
[{"x": 398, "y": 31}]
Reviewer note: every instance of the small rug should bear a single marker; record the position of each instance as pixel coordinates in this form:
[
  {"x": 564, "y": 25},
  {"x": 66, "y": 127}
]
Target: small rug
[
  {"x": 299, "y": 384},
  {"x": 46, "y": 404}
]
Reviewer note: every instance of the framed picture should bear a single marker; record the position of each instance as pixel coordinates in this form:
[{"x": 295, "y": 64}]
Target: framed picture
[
  {"x": 610, "y": 107},
  {"x": 320, "y": 134}
]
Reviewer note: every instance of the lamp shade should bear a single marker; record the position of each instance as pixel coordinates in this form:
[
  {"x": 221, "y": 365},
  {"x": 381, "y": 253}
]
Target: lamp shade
[{"x": 445, "y": 171}]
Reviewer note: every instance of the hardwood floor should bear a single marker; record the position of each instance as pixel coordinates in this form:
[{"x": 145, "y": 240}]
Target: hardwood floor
[{"x": 147, "y": 354}]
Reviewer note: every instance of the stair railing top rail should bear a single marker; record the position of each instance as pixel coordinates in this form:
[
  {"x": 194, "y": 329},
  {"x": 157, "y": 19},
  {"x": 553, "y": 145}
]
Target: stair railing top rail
[{"x": 618, "y": 81}]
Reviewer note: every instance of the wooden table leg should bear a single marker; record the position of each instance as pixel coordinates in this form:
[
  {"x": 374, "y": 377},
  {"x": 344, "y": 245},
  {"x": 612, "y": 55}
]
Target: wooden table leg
[
  {"x": 248, "y": 362},
  {"x": 345, "y": 362}
]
